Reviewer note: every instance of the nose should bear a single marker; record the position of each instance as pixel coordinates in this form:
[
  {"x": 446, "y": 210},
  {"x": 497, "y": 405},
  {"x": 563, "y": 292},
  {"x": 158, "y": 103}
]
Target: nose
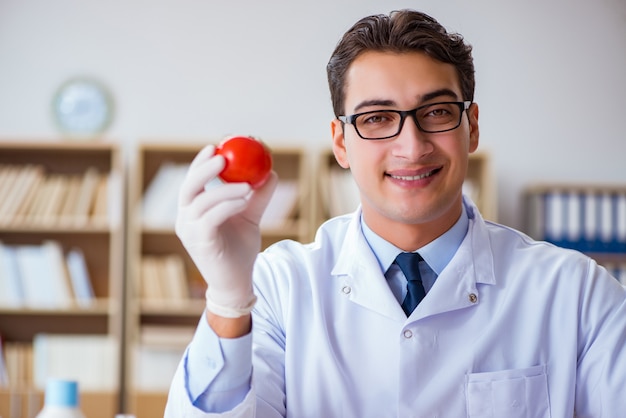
[{"x": 412, "y": 142}]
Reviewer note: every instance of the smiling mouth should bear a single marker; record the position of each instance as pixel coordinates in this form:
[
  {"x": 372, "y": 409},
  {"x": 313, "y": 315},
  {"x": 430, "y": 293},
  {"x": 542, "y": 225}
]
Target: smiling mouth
[{"x": 414, "y": 178}]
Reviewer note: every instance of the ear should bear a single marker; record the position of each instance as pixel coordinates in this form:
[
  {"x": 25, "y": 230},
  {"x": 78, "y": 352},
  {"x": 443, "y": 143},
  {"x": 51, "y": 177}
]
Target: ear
[
  {"x": 339, "y": 143},
  {"x": 472, "y": 114}
]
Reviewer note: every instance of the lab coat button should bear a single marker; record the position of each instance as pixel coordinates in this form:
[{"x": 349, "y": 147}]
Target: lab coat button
[
  {"x": 408, "y": 334},
  {"x": 473, "y": 298},
  {"x": 346, "y": 289}
]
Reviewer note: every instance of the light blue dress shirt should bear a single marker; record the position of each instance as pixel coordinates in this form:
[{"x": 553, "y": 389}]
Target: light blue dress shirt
[
  {"x": 437, "y": 254},
  {"x": 510, "y": 328}
]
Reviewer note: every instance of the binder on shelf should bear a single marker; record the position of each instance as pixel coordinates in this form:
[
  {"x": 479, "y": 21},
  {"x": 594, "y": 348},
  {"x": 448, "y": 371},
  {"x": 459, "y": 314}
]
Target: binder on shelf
[{"x": 589, "y": 219}]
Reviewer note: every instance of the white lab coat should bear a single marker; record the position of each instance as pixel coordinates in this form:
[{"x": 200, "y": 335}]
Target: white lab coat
[{"x": 511, "y": 328}]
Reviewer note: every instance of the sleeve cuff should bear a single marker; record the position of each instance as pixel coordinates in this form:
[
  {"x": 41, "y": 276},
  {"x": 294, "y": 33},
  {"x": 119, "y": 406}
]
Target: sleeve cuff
[{"x": 209, "y": 356}]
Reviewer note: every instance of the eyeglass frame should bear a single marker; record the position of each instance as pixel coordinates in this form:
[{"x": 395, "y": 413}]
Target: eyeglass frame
[{"x": 350, "y": 119}]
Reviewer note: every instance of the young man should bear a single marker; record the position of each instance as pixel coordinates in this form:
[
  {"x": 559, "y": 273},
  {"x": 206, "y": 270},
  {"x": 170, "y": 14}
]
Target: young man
[{"x": 508, "y": 327}]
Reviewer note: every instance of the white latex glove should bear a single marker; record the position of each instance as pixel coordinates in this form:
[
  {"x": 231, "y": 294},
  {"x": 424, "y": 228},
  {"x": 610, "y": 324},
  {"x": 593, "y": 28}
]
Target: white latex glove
[{"x": 219, "y": 228}]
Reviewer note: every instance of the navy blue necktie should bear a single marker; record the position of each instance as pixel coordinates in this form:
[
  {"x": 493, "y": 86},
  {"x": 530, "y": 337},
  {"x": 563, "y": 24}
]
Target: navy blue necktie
[{"x": 409, "y": 264}]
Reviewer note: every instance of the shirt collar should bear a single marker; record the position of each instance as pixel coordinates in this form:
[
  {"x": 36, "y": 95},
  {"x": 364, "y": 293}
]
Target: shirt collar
[{"x": 436, "y": 253}]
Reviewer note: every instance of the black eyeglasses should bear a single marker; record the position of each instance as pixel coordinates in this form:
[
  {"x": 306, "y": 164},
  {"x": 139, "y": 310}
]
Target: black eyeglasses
[{"x": 431, "y": 118}]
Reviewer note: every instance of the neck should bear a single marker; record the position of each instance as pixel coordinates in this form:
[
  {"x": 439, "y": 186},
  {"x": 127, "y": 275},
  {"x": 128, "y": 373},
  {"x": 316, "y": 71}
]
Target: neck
[{"x": 410, "y": 236}]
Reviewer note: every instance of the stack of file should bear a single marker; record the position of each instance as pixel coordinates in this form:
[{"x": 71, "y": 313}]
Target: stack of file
[{"x": 591, "y": 220}]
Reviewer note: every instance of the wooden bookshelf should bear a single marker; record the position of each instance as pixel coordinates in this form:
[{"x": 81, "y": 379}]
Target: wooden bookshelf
[
  {"x": 336, "y": 192},
  {"x": 151, "y": 241},
  {"x": 70, "y": 222}
]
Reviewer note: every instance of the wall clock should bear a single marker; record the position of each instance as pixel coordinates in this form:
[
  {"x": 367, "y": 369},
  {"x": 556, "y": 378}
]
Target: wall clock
[{"x": 82, "y": 107}]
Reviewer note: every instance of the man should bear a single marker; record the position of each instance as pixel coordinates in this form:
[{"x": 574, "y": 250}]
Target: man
[{"x": 508, "y": 327}]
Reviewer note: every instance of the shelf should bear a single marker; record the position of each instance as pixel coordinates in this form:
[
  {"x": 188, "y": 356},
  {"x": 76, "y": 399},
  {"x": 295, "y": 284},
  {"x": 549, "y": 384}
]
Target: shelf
[
  {"x": 151, "y": 241},
  {"x": 590, "y": 218},
  {"x": 79, "y": 222},
  {"x": 30, "y": 402}
]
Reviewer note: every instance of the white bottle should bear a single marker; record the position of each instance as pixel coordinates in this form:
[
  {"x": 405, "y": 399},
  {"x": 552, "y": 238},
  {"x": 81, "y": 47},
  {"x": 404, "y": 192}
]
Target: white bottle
[{"x": 61, "y": 400}]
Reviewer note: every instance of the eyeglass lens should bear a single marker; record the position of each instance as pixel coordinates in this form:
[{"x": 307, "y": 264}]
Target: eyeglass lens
[{"x": 437, "y": 117}]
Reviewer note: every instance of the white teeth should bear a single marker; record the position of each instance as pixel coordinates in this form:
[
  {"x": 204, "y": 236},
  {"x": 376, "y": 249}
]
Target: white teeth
[{"x": 409, "y": 178}]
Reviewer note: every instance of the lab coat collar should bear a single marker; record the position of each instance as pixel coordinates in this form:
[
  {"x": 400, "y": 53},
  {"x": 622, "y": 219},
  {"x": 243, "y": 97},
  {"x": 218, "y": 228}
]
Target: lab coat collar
[{"x": 455, "y": 288}]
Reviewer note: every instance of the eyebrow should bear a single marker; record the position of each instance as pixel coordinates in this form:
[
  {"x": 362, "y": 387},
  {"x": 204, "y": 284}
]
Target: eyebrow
[{"x": 425, "y": 98}]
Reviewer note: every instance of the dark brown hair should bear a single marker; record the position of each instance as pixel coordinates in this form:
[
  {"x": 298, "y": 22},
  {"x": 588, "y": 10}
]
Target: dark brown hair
[{"x": 400, "y": 31}]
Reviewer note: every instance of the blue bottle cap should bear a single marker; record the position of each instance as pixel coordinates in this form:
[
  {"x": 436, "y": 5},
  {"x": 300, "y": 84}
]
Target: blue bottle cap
[{"x": 61, "y": 392}]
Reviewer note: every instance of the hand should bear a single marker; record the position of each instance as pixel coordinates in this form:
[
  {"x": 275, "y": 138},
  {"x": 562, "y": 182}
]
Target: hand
[{"x": 219, "y": 228}]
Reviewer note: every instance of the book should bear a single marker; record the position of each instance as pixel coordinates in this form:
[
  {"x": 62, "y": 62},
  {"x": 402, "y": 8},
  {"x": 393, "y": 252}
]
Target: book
[
  {"x": 8, "y": 178},
  {"x": 90, "y": 359},
  {"x": 621, "y": 217},
  {"x": 115, "y": 196},
  {"x": 79, "y": 277},
  {"x": 57, "y": 276},
  {"x": 159, "y": 203},
  {"x": 591, "y": 215},
  {"x": 11, "y": 295},
  {"x": 573, "y": 207},
  {"x": 555, "y": 219},
  {"x": 68, "y": 208},
  {"x": 23, "y": 211},
  {"x": 38, "y": 292},
  {"x": 40, "y": 200},
  {"x": 173, "y": 278},
  {"x": 44, "y": 282},
  {"x": 151, "y": 289},
  {"x": 86, "y": 197},
  {"x": 282, "y": 205},
  {"x": 28, "y": 176},
  {"x": 100, "y": 213},
  {"x": 18, "y": 361}
]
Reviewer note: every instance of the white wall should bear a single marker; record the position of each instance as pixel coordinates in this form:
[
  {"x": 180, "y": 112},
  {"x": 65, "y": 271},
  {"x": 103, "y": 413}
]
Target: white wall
[{"x": 550, "y": 74}]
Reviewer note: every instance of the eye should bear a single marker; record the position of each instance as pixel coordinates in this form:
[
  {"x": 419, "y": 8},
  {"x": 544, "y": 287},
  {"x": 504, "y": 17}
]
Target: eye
[
  {"x": 438, "y": 110},
  {"x": 377, "y": 118}
]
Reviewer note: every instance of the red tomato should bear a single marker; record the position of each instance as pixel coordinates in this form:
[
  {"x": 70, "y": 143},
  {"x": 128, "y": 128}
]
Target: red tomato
[{"x": 247, "y": 160}]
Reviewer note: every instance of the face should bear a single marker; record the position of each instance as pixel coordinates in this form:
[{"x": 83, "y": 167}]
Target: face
[{"x": 410, "y": 184}]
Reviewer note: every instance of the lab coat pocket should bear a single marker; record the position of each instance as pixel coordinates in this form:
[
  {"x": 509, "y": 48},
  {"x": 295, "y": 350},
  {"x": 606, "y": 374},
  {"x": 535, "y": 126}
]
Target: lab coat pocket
[{"x": 515, "y": 393}]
